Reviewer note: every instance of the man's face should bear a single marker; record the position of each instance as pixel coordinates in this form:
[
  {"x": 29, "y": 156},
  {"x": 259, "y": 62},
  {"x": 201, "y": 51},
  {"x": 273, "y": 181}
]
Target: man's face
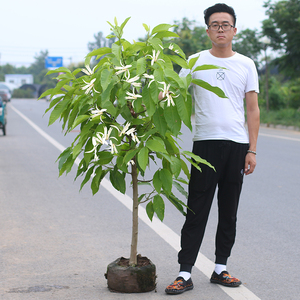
[{"x": 220, "y": 37}]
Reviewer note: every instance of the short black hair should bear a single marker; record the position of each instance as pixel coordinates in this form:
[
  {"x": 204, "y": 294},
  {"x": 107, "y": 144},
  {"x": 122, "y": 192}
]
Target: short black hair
[{"x": 219, "y": 7}]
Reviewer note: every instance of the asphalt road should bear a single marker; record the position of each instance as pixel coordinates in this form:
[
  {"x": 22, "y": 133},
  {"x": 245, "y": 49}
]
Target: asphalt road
[{"x": 55, "y": 242}]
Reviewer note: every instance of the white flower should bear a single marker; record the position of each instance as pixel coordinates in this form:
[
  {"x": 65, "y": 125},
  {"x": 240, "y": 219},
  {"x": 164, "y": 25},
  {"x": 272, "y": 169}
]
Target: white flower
[
  {"x": 123, "y": 69},
  {"x": 132, "y": 96},
  {"x": 89, "y": 86},
  {"x": 101, "y": 138},
  {"x": 167, "y": 93},
  {"x": 171, "y": 47},
  {"x": 135, "y": 138},
  {"x": 112, "y": 147},
  {"x": 127, "y": 131},
  {"x": 123, "y": 131},
  {"x": 98, "y": 112},
  {"x": 131, "y": 162},
  {"x": 149, "y": 77},
  {"x": 133, "y": 81},
  {"x": 106, "y": 133},
  {"x": 154, "y": 57},
  {"x": 88, "y": 70}
]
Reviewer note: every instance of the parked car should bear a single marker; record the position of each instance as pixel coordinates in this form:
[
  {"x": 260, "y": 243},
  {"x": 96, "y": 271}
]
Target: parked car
[{"x": 5, "y": 92}]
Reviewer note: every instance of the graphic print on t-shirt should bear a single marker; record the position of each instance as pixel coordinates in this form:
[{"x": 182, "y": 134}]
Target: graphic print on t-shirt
[{"x": 221, "y": 75}]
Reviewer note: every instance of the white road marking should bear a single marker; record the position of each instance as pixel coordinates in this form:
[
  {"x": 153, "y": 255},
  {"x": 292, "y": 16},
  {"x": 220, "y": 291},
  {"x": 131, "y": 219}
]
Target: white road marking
[
  {"x": 280, "y": 137},
  {"x": 205, "y": 265}
]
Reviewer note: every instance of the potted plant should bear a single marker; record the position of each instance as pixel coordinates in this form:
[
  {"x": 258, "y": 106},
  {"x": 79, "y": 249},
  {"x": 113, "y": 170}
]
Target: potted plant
[{"x": 130, "y": 108}]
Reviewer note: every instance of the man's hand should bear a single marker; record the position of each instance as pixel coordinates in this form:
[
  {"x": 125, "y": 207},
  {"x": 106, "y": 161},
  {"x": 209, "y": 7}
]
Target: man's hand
[{"x": 250, "y": 163}]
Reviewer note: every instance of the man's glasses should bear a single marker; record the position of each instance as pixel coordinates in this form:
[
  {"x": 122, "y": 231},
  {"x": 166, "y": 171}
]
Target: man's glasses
[{"x": 216, "y": 27}]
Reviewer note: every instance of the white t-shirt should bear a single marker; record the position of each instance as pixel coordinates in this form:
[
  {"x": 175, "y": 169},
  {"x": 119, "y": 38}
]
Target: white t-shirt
[{"x": 223, "y": 118}]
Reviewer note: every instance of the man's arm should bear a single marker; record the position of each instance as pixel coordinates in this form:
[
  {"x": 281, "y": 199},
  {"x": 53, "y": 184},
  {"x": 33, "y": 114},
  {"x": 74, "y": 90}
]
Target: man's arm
[{"x": 253, "y": 128}]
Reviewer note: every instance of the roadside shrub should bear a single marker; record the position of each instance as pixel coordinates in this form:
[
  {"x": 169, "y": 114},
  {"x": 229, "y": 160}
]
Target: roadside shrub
[
  {"x": 285, "y": 117},
  {"x": 22, "y": 93}
]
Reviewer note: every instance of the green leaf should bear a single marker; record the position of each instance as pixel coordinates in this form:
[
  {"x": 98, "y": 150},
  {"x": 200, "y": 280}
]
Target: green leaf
[
  {"x": 110, "y": 36},
  {"x": 120, "y": 164},
  {"x": 79, "y": 120},
  {"x": 164, "y": 34},
  {"x": 214, "y": 89},
  {"x": 146, "y": 27},
  {"x": 64, "y": 156},
  {"x": 166, "y": 179},
  {"x": 170, "y": 74},
  {"x": 116, "y": 22},
  {"x": 105, "y": 97},
  {"x": 124, "y": 23},
  {"x": 207, "y": 67},
  {"x": 160, "y": 121},
  {"x": 141, "y": 197},
  {"x": 177, "y": 203},
  {"x": 58, "y": 110},
  {"x": 198, "y": 159},
  {"x": 46, "y": 93},
  {"x": 173, "y": 119},
  {"x": 141, "y": 66},
  {"x": 156, "y": 43},
  {"x": 171, "y": 146},
  {"x": 192, "y": 62},
  {"x": 59, "y": 70},
  {"x": 87, "y": 177},
  {"x": 161, "y": 27},
  {"x": 116, "y": 50},
  {"x": 175, "y": 166},
  {"x": 99, "y": 52},
  {"x": 143, "y": 158},
  {"x": 156, "y": 144},
  {"x": 147, "y": 100},
  {"x": 185, "y": 169},
  {"x": 159, "y": 206},
  {"x": 179, "y": 61},
  {"x": 130, "y": 155},
  {"x": 184, "y": 109},
  {"x": 117, "y": 180},
  {"x": 154, "y": 91},
  {"x": 150, "y": 210},
  {"x": 96, "y": 180},
  {"x": 175, "y": 48},
  {"x": 105, "y": 157},
  {"x": 157, "y": 182},
  {"x": 180, "y": 189},
  {"x": 105, "y": 78}
]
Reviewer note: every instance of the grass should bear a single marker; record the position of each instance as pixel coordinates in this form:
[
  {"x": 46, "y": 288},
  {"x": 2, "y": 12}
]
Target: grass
[{"x": 285, "y": 117}]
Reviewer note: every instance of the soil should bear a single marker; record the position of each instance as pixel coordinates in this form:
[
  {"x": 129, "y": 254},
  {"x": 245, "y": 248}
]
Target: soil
[{"x": 141, "y": 261}]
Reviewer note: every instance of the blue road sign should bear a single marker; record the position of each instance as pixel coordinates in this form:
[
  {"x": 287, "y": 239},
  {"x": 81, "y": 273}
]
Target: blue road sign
[{"x": 53, "y": 62}]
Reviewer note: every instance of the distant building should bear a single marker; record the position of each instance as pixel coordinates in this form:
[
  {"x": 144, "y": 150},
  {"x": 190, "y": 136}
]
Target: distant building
[{"x": 19, "y": 79}]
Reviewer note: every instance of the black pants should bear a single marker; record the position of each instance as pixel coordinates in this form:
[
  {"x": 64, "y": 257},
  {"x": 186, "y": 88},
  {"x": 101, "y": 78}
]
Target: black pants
[{"x": 228, "y": 158}]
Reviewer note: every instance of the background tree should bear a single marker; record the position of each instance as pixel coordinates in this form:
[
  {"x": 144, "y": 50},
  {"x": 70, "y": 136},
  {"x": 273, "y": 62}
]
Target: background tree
[
  {"x": 247, "y": 43},
  {"x": 38, "y": 69},
  {"x": 100, "y": 41},
  {"x": 192, "y": 38},
  {"x": 283, "y": 28}
]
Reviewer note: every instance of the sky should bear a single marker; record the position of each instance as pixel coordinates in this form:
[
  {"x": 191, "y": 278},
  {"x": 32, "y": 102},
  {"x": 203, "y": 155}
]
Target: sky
[{"x": 65, "y": 27}]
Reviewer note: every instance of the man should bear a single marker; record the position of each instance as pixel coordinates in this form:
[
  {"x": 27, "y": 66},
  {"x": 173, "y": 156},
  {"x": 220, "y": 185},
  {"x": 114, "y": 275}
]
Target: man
[{"x": 221, "y": 139}]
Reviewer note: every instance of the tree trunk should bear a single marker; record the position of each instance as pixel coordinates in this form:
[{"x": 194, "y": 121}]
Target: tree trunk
[{"x": 135, "y": 220}]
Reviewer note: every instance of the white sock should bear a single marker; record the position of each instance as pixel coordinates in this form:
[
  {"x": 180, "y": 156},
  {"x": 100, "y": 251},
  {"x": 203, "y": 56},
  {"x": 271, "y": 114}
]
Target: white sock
[
  {"x": 220, "y": 268},
  {"x": 185, "y": 275}
]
